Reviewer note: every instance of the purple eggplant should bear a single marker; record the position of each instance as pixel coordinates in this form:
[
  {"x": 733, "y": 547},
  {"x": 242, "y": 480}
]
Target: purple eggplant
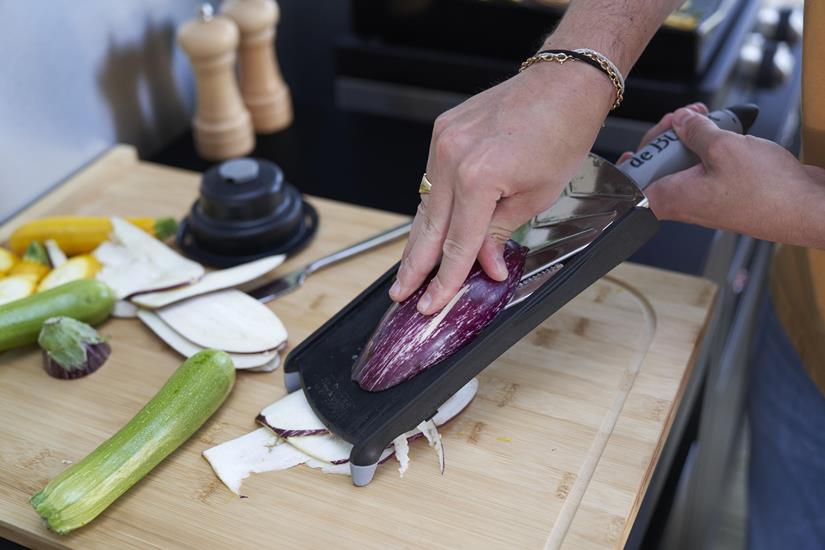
[
  {"x": 407, "y": 342},
  {"x": 71, "y": 349}
]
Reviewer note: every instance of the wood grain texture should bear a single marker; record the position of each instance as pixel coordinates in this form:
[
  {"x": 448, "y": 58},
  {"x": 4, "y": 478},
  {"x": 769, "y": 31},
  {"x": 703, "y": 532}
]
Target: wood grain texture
[{"x": 526, "y": 446}]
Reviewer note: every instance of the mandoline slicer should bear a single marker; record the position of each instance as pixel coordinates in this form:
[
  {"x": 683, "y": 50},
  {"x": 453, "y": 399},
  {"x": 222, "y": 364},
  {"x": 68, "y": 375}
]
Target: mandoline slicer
[{"x": 599, "y": 221}]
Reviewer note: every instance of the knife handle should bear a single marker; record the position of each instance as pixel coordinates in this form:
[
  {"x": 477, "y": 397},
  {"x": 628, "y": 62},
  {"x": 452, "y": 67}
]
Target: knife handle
[
  {"x": 357, "y": 248},
  {"x": 665, "y": 154}
]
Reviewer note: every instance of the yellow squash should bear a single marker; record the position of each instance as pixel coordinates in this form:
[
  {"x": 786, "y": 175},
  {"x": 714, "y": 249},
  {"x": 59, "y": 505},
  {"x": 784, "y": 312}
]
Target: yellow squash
[
  {"x": 15, "y": 287},
  {"x": 7, "y": 261},
  {"x": 34, "y": 264},
  {"x": 84, "y": 266},
  {"x": 82, "y": 234}
]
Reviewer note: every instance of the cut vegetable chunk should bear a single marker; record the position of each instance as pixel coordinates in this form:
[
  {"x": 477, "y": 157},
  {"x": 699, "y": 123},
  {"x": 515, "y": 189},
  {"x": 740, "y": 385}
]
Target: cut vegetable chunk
[
  {"x": 84, "y": 266},
  {"x": 56, "y": 256},
  {"x": 7, "y": 261},
  {"x": 71, "y": 349},
  {"x": 256, "y": 452},
  {"x": 15, "y": 287},
  {"x": 212, "y": 281},
  {"x": 228, "y": 319},
  {"x": 135, "y": 262},
  {"x": 188, "y": 348},
  {"x": 407, "y": 342}
]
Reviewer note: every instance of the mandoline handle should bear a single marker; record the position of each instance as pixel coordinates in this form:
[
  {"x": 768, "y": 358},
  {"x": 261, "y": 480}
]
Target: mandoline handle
[{"x": 665, "y": 154}]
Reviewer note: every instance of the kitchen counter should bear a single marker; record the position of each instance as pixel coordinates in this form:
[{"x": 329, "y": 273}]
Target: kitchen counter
[{"x": 556, "y": 450}]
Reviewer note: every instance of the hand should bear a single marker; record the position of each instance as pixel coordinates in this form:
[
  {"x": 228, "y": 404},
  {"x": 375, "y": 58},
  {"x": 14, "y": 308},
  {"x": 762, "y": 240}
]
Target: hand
[
  {"x": 743, "y": 184},
  {"x": 495, "y": 161}
]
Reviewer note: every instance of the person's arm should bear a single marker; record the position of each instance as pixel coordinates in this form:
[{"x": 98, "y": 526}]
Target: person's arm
[
  {"x": 744, "y": 184},
  {"x": 506, "y": 154}
]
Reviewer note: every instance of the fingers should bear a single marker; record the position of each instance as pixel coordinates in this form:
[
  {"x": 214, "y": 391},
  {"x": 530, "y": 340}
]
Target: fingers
[
  {"x": 664, "y": 124},
  {"x": 675, "y": 197},
  {"x": 468, "y": 227},
  {"x": 429, "y": 229},
  {"x": 697, "y": 132},
  {"x": 509, "y": 214},
  {"x": 627, "y": 155}
]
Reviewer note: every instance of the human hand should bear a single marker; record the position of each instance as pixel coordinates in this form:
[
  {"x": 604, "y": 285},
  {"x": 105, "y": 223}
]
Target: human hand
[
  {"x": 495, "y": 161},
  {"x": 743, "y": 184}
]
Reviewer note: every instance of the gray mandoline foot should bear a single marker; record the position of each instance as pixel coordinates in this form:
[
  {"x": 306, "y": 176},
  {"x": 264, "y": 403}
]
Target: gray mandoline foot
[
  {"x": 292, "y": 381},
  {"x": 362, "y": 475}
]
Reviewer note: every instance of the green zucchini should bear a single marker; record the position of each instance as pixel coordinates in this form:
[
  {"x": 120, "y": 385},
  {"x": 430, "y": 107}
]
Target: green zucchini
[
  {"x": 87, "y": 300},
  {"x": 190, "y": 396}
]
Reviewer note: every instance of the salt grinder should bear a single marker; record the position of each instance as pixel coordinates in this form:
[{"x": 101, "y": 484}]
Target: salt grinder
[
  {"x": 222, "y": 125},
  {"x": 263, "y": 88}
]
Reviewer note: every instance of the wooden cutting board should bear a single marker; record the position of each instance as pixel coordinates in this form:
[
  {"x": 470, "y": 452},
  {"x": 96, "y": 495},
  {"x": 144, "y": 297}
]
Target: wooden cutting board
[{"x": 556, "y": 450}]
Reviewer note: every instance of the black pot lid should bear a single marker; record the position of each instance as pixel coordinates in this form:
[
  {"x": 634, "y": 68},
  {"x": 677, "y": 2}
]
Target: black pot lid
[{"x": 246, "y": 210}]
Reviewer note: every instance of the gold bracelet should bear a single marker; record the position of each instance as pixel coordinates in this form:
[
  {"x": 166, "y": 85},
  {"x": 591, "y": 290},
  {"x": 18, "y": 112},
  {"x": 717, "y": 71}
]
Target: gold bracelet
[{"x": 593, "y": 58}]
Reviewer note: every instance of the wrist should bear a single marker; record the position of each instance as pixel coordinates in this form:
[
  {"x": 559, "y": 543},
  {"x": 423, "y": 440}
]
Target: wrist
[{"x": 578, "y": 78}]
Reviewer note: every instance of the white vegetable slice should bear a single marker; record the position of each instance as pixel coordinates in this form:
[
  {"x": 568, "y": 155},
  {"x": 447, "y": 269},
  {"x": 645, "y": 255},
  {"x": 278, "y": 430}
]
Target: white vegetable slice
[
  {"x": 402, "y": 453},
  {"x": 326, "y": 447},
  {"x": 212, "y": 281},
  {"x": 188, "y": 348},
  {"x": 340, "y": 469},
  {"x": 330, "y": 448},
  {"x": 253, "y": 453},
  {"x": 430, "y": 431},
  {"x": 125, "y": 310},
  {"x": 229, "y": 320},
  {"x": 135, "y": 262},
  {"x": 292, "y": 416},
  {"x": 56, "y": 256},
  {"x": 268, "y": 367}
]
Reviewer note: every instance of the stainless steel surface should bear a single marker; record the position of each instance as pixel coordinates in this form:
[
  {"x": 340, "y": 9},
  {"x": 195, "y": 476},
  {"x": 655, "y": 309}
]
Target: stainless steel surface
[
  {"x": 597, "y": 196},
  {"x": 81, "y": 76},
  {"x": 291, "y": 281}
]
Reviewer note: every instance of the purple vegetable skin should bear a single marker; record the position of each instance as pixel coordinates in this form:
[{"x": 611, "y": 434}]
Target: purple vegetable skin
[{"x": 407, "y": 342}]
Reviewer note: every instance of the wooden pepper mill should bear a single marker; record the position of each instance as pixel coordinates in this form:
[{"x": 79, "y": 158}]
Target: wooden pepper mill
[
  {"x": 222, "y": 125},
  {"x": 263, "y": 88}
]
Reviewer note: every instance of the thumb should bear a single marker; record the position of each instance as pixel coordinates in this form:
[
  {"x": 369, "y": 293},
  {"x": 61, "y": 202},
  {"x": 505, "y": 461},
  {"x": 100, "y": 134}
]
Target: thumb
[{"x": 696, "y": 131}]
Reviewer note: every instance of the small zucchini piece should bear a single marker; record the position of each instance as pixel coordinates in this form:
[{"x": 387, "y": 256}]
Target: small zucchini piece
[
  {"x": 87, "y": 300},
  {"x": 190, "y": 396}
]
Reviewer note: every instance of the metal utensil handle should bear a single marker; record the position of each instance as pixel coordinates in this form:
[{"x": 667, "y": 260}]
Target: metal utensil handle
[
  {"x": 665, "y": 154},
  {"x": 357, "y": 248}
]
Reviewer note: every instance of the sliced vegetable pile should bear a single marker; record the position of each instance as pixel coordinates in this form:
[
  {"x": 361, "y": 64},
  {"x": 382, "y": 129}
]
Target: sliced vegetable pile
[
  {"x": 407, "y": 342},
  {"x": 189, "y": 309},
  {"x": 190, "y": 396},
  {"x": 293, "y": 435}
]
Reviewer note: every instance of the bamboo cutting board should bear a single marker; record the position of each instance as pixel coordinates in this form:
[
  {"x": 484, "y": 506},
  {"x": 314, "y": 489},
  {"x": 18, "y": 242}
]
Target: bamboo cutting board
[{"x": 556, "y": 450}]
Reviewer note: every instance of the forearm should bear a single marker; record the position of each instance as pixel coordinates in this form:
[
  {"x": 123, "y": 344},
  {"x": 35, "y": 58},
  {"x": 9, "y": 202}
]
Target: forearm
[{"x": 619, "y": 29}]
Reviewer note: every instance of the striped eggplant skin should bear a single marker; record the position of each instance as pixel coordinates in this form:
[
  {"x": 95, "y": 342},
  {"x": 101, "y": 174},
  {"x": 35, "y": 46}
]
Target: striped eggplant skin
[{"x": 407, "y": 342}]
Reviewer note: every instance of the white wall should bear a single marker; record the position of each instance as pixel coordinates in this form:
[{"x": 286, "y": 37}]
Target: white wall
[{"x": 78, "y": 76}]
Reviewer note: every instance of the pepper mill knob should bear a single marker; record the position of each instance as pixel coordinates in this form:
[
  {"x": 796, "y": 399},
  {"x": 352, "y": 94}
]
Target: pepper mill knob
[
  {"x": 222, "y": 125},
  {"x": 263, "y": 88}
]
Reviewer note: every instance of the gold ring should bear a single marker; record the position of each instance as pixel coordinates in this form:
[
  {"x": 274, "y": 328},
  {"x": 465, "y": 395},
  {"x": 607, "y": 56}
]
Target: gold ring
[{"x": 425, "y": 186}]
